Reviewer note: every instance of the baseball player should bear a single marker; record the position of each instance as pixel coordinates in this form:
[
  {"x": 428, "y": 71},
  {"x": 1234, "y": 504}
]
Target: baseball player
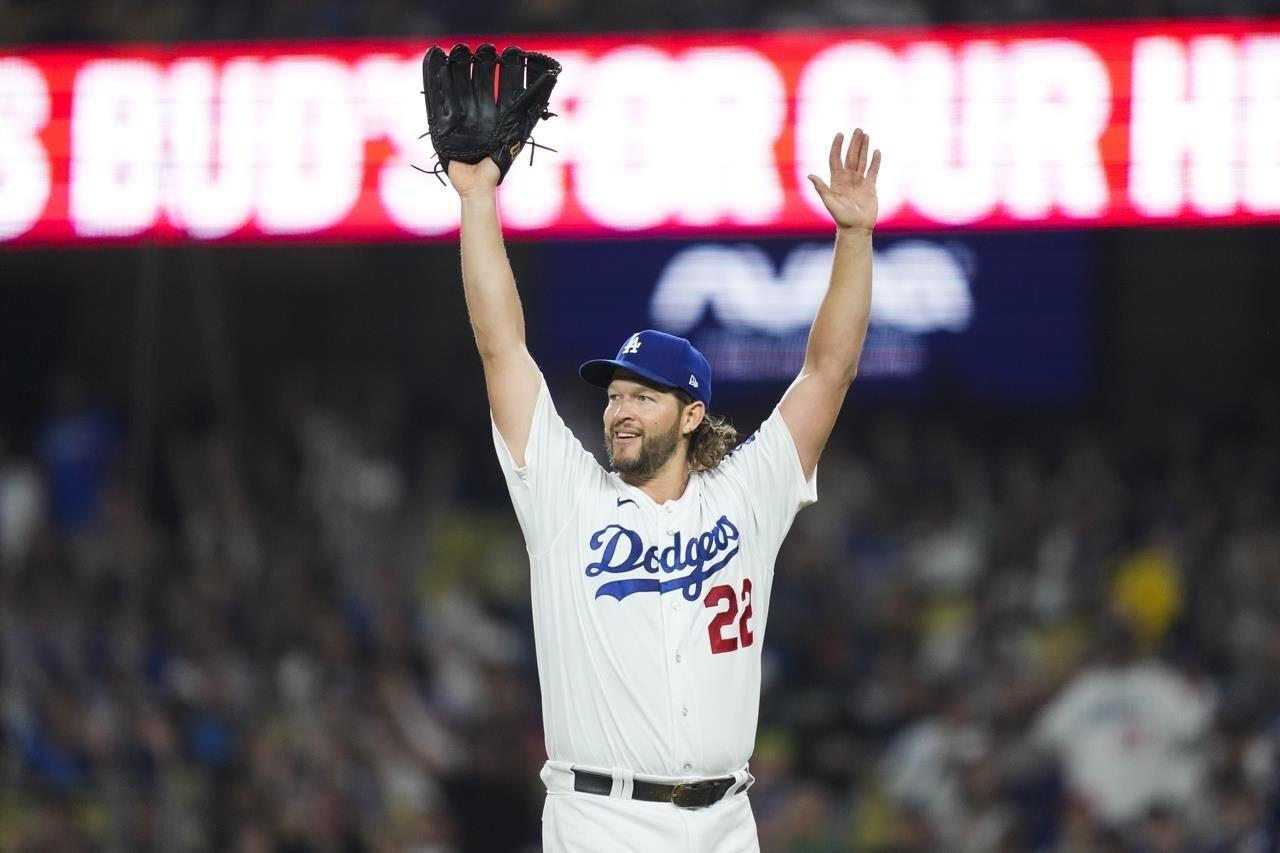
[{"x": 651, "y": 582}]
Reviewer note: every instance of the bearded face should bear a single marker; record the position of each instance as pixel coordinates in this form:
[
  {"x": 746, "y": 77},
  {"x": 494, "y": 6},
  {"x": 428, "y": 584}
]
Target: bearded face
[
  {"x": 640, "y": 455},
  {"x": 641, "y": 428}
]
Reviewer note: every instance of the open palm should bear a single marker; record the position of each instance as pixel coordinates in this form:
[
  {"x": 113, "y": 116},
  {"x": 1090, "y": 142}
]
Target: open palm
[{"x": 851, "y": 196}]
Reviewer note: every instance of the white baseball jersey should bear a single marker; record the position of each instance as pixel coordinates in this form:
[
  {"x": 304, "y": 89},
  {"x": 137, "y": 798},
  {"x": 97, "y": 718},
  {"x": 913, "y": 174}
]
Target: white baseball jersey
[{"x": 649, "y": 618}]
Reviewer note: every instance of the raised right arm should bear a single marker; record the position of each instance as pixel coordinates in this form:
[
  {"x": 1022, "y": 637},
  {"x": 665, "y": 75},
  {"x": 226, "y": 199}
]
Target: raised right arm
[{"x": 497, "y": 318}]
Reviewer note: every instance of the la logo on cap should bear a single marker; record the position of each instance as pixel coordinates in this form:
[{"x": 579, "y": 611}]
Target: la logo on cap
[{"x": 632, "y": 346}]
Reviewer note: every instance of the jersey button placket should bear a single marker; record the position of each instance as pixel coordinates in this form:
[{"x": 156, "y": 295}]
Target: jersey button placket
[
  {"x": 690, "y": 735},
  {"x": 676, "y": 635},
  {"x": 671, "y": 634}
]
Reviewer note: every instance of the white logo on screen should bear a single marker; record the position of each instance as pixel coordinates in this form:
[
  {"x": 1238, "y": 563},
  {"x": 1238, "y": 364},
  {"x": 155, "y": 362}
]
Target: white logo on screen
[{"x": 919, "y": 287}]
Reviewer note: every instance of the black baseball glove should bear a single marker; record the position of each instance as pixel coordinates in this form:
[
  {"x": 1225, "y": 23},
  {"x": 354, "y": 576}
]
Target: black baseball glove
[{"x": 466, "y": 122}]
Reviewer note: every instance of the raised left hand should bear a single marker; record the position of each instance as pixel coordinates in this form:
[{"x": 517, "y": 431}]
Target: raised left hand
[{"x": 851, "y": 196}]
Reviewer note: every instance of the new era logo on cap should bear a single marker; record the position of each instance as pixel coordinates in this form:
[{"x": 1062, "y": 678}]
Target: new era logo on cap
[{"x": 659, "y": 357}]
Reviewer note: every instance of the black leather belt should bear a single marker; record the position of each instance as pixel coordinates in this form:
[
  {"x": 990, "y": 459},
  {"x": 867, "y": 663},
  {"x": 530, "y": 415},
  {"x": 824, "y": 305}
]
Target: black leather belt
[{"x": 686, "y": 795}]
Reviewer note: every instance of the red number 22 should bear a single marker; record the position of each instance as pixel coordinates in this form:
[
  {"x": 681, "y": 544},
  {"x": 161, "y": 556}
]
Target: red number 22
[{"x": 724, "y": 618}]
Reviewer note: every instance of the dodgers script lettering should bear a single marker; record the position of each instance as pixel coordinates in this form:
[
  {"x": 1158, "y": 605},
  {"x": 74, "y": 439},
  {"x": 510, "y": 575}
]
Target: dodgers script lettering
[{"x": 623, "y": 551}]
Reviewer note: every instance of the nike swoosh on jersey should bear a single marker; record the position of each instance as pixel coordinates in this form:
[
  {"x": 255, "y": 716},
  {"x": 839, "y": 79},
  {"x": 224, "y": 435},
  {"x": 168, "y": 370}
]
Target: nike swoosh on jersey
[{"x": 622, "y": 501}]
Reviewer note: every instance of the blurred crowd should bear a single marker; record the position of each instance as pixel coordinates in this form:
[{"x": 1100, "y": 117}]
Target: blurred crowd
[
  {"x": 312, "y": 633},
  {"x": 44, "y": 21}
]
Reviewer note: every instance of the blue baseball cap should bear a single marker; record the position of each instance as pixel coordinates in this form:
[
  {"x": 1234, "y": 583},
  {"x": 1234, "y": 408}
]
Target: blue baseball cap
[{"x": 665, "y": 359}]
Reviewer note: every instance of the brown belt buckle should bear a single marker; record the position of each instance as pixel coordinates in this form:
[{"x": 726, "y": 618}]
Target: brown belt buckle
[{"x": 693, "y": 795}]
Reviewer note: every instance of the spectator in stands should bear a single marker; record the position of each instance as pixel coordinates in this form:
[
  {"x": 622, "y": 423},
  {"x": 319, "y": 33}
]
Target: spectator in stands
[
  {"x": 22, "y": 507},
  {"x": 79, "y": 447},
  {"x": 1129, "y": 731}
]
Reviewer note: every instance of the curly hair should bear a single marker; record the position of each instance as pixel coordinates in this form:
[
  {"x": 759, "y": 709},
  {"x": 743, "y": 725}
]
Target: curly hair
[
  {"x": 710, "y": 443},
  {"x": 711, "y": 440}
]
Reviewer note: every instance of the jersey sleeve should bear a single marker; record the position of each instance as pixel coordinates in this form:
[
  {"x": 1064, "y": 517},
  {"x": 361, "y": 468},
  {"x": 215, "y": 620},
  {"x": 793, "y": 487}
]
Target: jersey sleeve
[
  {"x": 767, "y": 467},
  {"x": 558, "y": 471}
]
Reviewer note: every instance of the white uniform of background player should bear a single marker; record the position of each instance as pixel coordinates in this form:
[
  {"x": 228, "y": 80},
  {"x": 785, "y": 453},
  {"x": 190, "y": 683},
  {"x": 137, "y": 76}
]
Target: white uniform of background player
[{"x": 650, "y": 587}]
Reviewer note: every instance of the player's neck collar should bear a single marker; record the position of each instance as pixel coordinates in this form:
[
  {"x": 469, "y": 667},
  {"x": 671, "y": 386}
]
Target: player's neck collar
[{"x": 690, "y": 489}]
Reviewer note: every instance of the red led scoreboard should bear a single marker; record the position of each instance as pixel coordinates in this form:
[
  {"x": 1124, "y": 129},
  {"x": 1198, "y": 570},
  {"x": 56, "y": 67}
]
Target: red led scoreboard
[{"x": 678, "y": 134}]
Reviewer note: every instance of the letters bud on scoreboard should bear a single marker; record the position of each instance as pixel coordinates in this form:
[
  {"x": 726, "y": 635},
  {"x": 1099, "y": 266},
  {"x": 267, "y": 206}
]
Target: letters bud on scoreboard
[{"x": 1050, "y": 126}]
